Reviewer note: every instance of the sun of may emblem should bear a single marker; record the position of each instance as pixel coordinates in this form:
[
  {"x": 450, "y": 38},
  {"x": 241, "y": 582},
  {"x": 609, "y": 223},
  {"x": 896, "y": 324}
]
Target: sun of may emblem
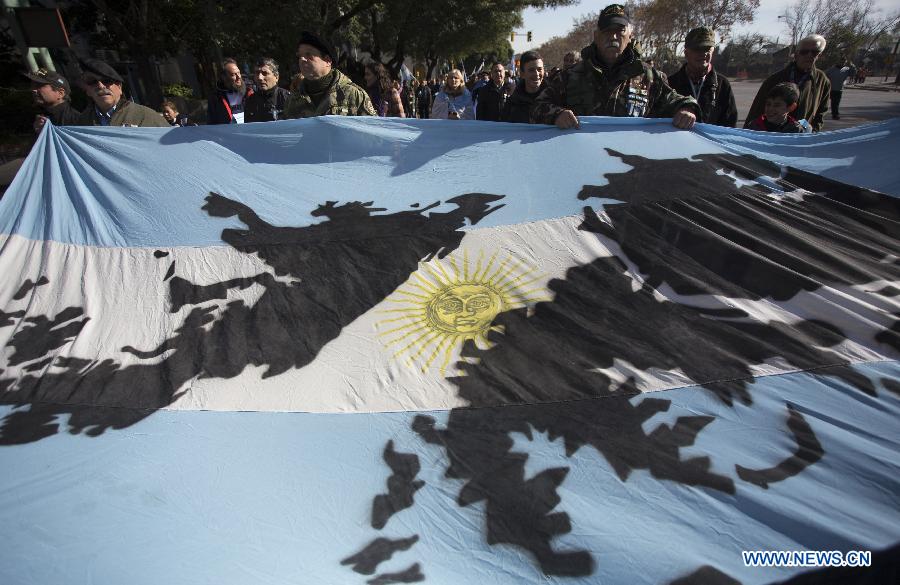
[{"x": 447, "y": 302}]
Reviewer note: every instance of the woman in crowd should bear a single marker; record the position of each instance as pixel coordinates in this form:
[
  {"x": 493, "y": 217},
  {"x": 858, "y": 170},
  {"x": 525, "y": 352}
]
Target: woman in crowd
[
  {"x": 170, "y": 113},
  {"x": 454, "y": 101},
  {"x": 385, "y": 98}
]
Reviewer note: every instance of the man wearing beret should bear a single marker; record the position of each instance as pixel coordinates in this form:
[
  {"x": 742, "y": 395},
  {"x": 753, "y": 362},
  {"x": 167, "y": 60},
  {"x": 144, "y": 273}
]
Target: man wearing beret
[
  {"x": 104, "y": 86},
  {"x": 324, "y": 90},
  {"x": 697, "y": 78},
  {"x": 611, "y": 80},
  {"x": 51, "y": 94}
]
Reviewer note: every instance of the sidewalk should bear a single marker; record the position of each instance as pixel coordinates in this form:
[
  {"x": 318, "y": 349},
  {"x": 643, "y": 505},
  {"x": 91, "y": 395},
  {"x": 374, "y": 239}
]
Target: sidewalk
[{"x": 875, "y": 86}]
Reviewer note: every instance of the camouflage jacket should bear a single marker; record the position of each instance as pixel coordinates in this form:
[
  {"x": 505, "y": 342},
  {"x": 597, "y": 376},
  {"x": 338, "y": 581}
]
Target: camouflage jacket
[
  {"x": 342, "y": 98},
  {"x": 628, "y": 88}
]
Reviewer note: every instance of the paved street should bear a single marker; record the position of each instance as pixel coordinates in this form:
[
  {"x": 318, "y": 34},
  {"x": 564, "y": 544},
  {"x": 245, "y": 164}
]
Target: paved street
[{"x": 858, "y": 106}]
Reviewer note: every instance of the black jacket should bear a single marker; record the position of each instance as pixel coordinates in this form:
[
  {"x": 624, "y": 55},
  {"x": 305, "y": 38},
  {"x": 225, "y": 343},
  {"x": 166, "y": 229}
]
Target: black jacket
[
  {"x": 266, "y": 106},
  {"x": 518, "y": 106},
  {"x": 218, "y": 111},
  {"x": 63, "y": 114},
  {"x": 716, "y": 98},
  {"x": 423, "y": 101},
  {"x": 489, "y": 102}
]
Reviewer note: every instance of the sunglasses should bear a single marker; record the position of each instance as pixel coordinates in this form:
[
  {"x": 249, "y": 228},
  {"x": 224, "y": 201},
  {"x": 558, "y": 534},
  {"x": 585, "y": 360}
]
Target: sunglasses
[
  {"x": 809, "y": 52},
  {"x": 90, "y": 81}
]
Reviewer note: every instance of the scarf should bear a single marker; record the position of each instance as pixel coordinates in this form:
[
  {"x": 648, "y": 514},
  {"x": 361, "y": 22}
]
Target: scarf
[{"x": 316, "y": 88}]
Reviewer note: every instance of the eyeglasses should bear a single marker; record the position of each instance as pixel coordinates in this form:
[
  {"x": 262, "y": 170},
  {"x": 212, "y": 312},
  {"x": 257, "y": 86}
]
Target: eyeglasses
[{"x": 812, "y": 52}]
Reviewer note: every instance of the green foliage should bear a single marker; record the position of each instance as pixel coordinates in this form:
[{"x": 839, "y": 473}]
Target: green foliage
[
  {"x": 178, "y": 90},
  {"x": 10, "y": 61},
  {"x": 443, "y": 31},
  {"x": 389, "y": 30},
  {"x": 17, "y": 113},
  {"x": 17, "y": 109}
]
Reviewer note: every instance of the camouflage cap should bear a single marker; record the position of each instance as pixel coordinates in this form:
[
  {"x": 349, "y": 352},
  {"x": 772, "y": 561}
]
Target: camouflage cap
[
  {"x": 700, "y": 38},
  {"x": 42, "y": 77},
  {"x": 613, "y": 15}
]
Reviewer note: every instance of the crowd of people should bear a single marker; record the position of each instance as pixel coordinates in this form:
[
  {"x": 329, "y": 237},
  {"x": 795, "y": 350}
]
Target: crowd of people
[{"x": 607, "y": 78}]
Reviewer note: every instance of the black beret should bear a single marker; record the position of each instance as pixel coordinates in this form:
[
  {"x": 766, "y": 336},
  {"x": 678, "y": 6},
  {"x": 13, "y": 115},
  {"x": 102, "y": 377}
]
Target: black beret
[
  {"x": 101, "y": 69},
  {"x": 313, "y": 40}
]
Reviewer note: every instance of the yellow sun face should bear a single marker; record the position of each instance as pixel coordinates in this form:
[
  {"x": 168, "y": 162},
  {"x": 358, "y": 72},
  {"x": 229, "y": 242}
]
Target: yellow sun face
[
  {"x": 465, "y": 309},
  {"x": 446, "y": 303}
]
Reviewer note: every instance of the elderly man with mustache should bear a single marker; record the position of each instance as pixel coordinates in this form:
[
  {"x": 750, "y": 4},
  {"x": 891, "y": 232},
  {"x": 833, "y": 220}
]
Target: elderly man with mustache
[
  {"x": 611, "y": 80},
  {"x": 104, "y": 86}
]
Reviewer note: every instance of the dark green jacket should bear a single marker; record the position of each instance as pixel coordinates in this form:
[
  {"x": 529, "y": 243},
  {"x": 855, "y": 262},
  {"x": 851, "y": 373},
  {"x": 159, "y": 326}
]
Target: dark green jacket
[
  {"x": 629, "y": 88},
  {"x": 342, "y": 98},
  {"x": 127, "y": 113},
  {"x": 813, "y": 102}
]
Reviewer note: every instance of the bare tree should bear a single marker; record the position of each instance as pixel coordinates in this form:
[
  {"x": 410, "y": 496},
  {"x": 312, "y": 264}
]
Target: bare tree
[
  {"x": 850, "y": 26},
  {"x": 661, "y": 25},
  {"x": 581, "y": 35},
  {"x": 748, "y": 54}
]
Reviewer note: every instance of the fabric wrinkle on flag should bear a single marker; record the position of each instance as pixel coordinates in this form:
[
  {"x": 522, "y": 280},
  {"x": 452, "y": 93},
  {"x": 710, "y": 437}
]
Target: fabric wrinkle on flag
[{"x": 341, "y": 351}]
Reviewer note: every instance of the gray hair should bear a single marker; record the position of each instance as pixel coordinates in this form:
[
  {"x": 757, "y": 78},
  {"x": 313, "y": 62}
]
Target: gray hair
[
  {"x": 270, "y": 63},
  {"x": 819, "y": 40}
]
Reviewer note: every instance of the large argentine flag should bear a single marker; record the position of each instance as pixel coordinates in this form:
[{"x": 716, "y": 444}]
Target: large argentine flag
[{"x": 365, "y": 351}]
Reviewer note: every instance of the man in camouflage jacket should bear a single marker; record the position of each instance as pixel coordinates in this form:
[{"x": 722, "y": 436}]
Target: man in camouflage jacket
[
  {"x": 611, "y": 80},
  {"x": 324, "y": 90}
]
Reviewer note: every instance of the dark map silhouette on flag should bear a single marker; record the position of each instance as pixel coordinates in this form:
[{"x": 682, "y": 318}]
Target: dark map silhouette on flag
[{"x": 388, "y": 351}]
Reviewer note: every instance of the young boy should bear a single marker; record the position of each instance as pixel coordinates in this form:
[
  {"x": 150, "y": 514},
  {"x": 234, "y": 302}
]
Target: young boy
[{"x": 781, "y": 101}]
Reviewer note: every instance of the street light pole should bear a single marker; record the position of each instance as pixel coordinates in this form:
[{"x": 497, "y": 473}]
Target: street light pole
[{"x": 793, "y": 24}]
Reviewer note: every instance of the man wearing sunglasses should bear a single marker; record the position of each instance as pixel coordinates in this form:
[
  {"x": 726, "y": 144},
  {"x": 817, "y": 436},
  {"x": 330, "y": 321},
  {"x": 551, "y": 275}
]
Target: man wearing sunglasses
[
  {"x": 104, "y": 86},
  {"x": 815, "y": 89}
]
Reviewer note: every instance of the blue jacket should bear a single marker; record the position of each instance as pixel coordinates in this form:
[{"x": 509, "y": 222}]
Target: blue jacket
[{"x": 462, "y": 104}]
